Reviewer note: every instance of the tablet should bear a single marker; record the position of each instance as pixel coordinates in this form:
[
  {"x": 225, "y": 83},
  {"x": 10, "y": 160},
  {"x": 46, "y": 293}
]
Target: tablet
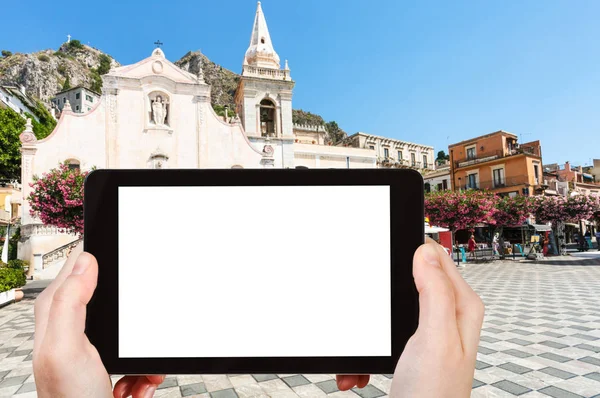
[{"x": 253, "y": 271}]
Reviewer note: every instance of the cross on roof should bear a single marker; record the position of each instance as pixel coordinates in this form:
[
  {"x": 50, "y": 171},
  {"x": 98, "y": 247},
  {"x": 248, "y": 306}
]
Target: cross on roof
[{"x": 158, "y": 43}]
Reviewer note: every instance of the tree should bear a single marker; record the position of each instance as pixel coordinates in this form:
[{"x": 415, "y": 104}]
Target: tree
[
  {"x": 66, "y": 84},
  {"x": 441, "y": 157},
  {"x": 57, "y": 198},
  {"x": 336, "y": 134},
  {"x": 460, "y": 210},
  {"x": 581, "y": 207},
  {"x": 75, "y": 45},
  {"x": 104, "y": 66},
  {"x": 6, "y": 53},
  {"x": 11, "y": 126}
]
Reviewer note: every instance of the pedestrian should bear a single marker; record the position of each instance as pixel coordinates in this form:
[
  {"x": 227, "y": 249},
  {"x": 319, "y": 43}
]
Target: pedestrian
[
  {"x": 442, "y": 351},
  {"x": 472, "y": 245},
  {"x": 598, "y": 239}
]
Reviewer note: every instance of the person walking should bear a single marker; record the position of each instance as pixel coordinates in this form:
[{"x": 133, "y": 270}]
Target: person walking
[{"x": 472, "y": 245}]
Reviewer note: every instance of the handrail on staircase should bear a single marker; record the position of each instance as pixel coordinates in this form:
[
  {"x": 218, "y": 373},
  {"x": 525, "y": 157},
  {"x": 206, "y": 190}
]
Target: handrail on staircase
[{"x": 59, "y": 253}]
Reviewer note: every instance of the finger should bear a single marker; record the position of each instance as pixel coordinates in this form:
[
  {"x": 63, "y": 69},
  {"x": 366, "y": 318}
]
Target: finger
[
  {"x": 437, "y": 311},
  {"x": 66, "y": 322},
  {"x": 363, "y": 380},
  {"x": 124, "y": 386},
  {"x": 44, "y": 300},
  {"x": 143, "y": 388},
  {"x": 346, "y": 382},
  {"x": 469, "y": 307}
]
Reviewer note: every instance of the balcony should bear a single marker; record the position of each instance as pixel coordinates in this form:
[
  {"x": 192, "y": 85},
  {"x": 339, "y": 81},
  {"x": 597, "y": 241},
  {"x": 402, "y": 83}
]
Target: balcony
[
  {"x": 498, "y": 154},
  {"x": 506, "y": 182}
]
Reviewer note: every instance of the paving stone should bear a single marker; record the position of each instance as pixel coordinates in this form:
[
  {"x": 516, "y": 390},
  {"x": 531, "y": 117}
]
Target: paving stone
[
  {"x": 328, "y": 386},
  {"x": 266, "y": 377},
  {"x": 485, "y": 351},
  {"x": 369, "y": 392},
  {"x": 517, "y": 353},
  {"x": 27, "y": 387},
  {"x": 477, "y": 383},
  {"x": 554, "y": 357},
  {"x": 493, "y": 330},
  {"x": 168, "y": 383},
  {"x": 592, "y": 360},
  {"x": 585, "y": 337},
  {"x": 489, "y": 339},
  {"x": 521, "y": 332},
  {"x": 557, "y": 373},
  {"x": 520, "y": 342},
  {"x": 20, "y": 353},
  {"x": 479, "y": 365},
  {"x": 556, "y": 392},
  {"x": 518, "y": 369},
  {"x": 230, "y": 393},
  {"x": 192, "y": 389},
  {"x": 513, "y": 388},
  {"x": 553, "y": 344},
  {"x": 3, "y": 374},
  {"x": 588, "y": 347},
  {"x": 593, "y": 376},
  {"x": 295, "y": 381},
  {"x": 582, "y": 328},
  {"x": 13, "y": 381},
  {"x": 553, "y": 334}
]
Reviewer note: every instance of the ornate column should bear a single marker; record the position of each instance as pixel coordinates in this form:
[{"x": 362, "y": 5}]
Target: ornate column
[
  {"x": 110, "y": 96},
  {"x": 28, "y": 150},
  {"x": 268, "y": 159}
]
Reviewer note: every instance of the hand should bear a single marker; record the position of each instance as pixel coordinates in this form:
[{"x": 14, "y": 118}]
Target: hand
[
  {"x": 439, "y": 359},
  {"x": 65, "y": 363}
]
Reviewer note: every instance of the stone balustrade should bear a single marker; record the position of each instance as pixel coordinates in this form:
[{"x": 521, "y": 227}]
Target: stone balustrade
[
  {"x": 308, "y": 127},
  {"x": 58, "y": 254},
  {"x": 275, "y": 74},
  {"x": 42, "y": 230}
]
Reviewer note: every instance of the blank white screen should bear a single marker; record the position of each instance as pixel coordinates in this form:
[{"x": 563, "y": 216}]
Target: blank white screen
[{"x": 254, "y": 271}]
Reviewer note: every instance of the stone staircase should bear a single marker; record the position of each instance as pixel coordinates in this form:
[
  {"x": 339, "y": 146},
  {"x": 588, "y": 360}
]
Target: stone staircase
[{"x": 53, "y": 261}]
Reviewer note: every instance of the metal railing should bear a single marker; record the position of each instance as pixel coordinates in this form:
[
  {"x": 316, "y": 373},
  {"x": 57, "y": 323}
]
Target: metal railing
[
  {"x": 496, "y": 184},
  {"x": 498, "y": 154},
  {"x": 59, "y": 253}
]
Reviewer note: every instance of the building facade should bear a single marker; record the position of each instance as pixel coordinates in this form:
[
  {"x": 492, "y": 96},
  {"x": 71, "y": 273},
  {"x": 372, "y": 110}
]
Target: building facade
[
  {"x": 391, "y": 152},
  {"x": 153, "y": 114},
  {"x": 439, "y": 179},
  {"x": 15, "y": 98},
  {"x": 498, "y": 163},
  {"x": 576, "y": 179},
  {"x": 80, "y": 99}
]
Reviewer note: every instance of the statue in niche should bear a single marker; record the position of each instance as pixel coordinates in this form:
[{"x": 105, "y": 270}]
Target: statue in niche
[{"x": 159, "y": 111}]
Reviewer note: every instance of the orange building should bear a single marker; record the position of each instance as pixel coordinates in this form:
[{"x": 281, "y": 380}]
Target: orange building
[{"x": 498, "y": 163}]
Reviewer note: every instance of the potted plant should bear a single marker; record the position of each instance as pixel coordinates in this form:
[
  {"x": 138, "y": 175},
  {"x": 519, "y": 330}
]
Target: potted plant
[{"x": 12, "y": 277}]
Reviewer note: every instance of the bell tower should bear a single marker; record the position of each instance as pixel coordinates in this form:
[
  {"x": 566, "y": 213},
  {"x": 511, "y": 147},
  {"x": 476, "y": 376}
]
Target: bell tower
[{"x": 264, "y": 94}]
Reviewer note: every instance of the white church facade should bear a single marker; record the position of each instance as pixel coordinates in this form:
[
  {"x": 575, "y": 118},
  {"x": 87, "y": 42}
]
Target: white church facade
[{"x": 153, "y": 114}]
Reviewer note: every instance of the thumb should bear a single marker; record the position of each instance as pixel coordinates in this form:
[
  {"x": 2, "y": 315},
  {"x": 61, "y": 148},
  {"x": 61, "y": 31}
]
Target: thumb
[
  {"x": 437, "y": 307},
  {"x": 66, "y": 321}
]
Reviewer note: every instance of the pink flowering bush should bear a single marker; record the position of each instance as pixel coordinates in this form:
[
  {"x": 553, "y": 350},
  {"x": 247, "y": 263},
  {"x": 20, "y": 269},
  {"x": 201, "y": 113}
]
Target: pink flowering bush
[
  {"x": 550, "y": 209},
  {"x": 581, "y": 207},
  {"x": 460, "y": 210},
  {"x": 512, "y": 212},
  {"x": 57, "y": 198}
]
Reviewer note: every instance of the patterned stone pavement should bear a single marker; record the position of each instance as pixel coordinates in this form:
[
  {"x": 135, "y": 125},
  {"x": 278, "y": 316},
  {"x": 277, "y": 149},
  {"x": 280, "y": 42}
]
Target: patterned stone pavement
[{"x": 541, "y": 338}]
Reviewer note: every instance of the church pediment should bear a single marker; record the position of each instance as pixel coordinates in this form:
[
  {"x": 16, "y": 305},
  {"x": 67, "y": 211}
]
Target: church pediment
[{"x": 158, "y": 66}]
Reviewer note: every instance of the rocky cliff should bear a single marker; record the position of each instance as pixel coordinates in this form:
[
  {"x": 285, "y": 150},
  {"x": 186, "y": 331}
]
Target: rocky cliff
[{"x": 43, "y": 73}]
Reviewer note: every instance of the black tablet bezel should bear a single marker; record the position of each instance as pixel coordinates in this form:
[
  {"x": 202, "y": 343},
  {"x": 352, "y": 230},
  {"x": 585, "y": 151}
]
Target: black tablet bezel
[{"x": 101, "y": 240}]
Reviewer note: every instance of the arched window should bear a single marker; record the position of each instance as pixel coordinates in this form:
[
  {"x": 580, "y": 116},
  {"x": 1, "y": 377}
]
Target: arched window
[
  {"x": 267, "y": 118},
  {"x": 73, "y": 164}
]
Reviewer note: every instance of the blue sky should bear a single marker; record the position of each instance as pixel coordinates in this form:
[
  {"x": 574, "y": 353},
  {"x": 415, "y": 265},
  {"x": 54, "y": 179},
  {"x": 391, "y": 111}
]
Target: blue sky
[{"x": 433, "y": 72}]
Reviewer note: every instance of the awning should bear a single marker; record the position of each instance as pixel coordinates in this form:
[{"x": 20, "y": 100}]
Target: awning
[
  {"x": 435, "y": 230},
  {"x": 570, "y": 224},
  {"x": 591, "y": 177},
  {"x": 541, "y": 227}
]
